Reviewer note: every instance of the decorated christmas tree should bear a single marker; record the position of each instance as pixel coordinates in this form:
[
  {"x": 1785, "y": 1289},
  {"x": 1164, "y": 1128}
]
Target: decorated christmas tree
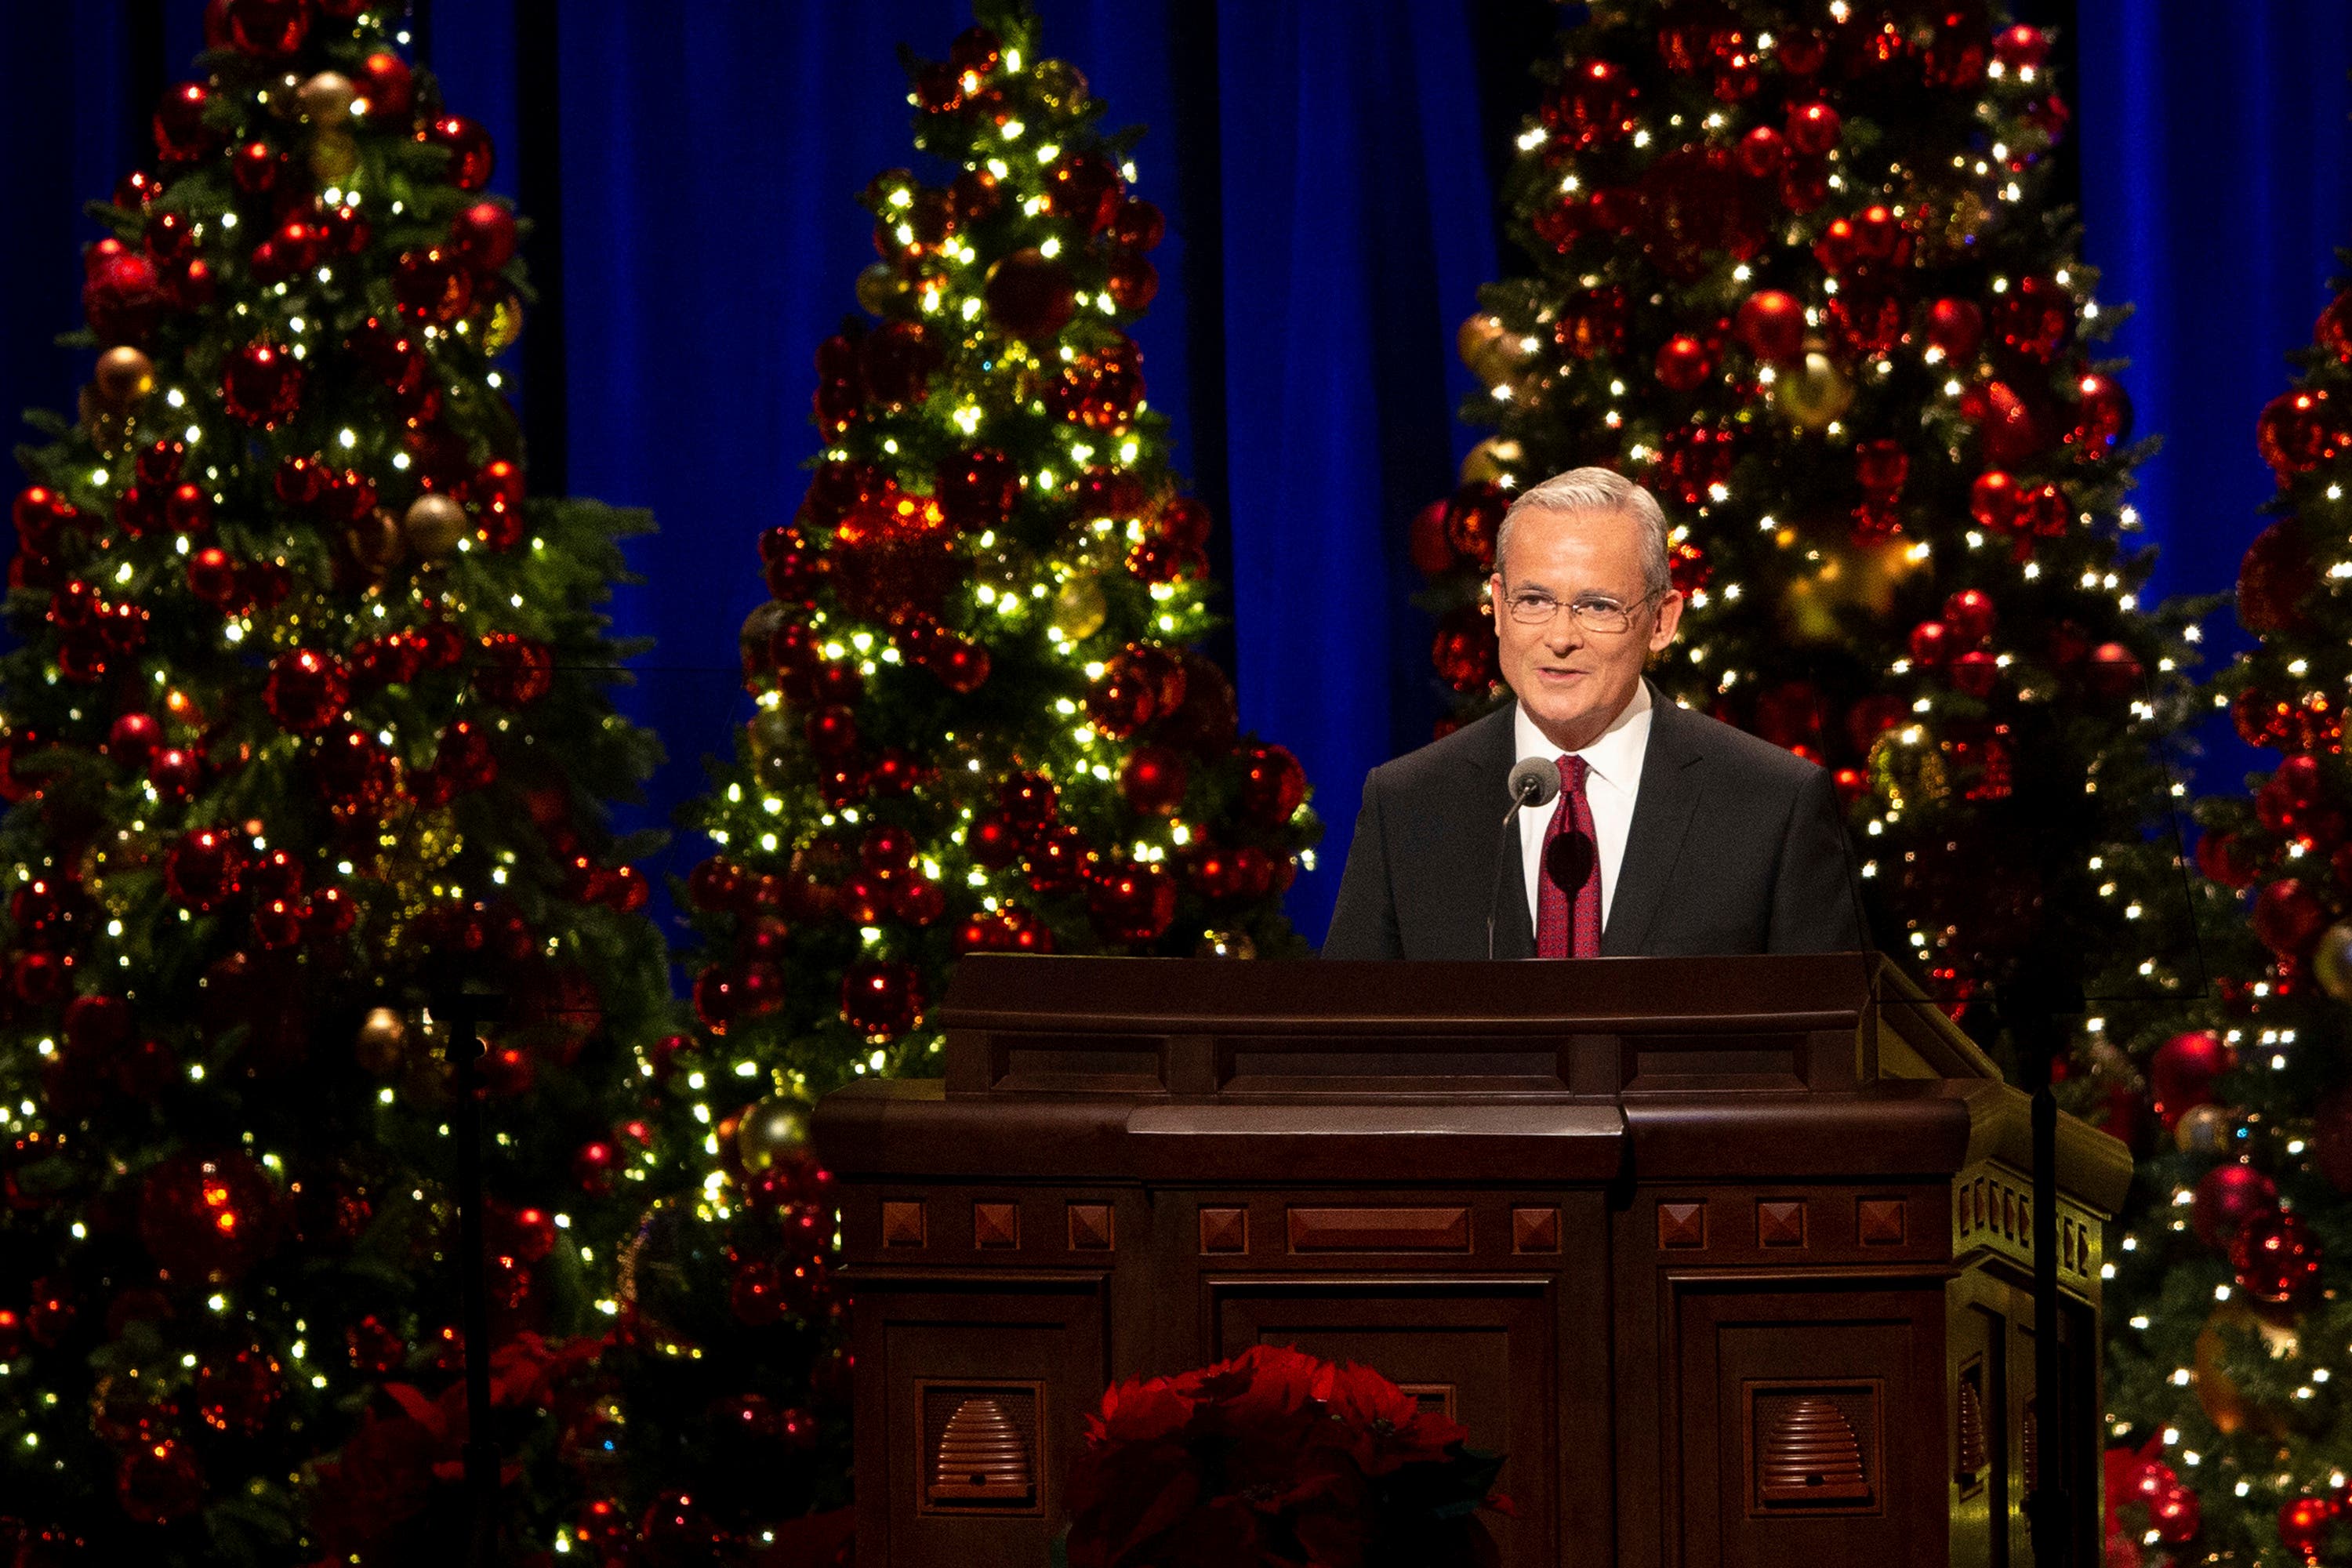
[
  {"x": 2226, "y": 1321},
  {"x": 1795, "y": 269},
  {"x": 306, "y": 731},
  {"x": 980, "y": 724}
]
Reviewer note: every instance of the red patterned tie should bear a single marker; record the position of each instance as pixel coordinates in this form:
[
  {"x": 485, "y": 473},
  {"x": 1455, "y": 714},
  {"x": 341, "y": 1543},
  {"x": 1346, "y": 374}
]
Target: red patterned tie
[{"x": 1567, "y": 928}]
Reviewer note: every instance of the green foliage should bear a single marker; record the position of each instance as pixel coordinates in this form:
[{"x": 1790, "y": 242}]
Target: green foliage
[{"x": 307, "y": 726}]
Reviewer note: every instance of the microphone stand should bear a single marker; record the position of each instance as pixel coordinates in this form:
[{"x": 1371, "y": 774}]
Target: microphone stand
[
  {"x": 2033, "y": 1009},
  {"x": 1528, "y": 792}
]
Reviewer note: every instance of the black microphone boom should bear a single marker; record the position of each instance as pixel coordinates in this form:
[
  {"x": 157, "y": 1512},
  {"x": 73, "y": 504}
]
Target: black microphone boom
[{"x": 1533, "y": 781}]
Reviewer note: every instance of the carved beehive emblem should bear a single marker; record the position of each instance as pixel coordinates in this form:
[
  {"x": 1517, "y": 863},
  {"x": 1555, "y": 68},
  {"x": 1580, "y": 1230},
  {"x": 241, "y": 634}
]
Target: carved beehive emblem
[
  {"x": 1812, "y": 1454},
  {"x": 983, "y": 1457}
]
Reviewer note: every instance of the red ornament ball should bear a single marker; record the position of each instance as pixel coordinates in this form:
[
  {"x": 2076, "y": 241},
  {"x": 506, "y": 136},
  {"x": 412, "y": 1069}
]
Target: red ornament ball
[
  {"x": 2007, "y": 423},
  {"x": 2226, "y": 1197},
  {"x": 1029, "y": 295},
  {"x": 1957, "y": 327},
  {"x": 388, "y": 86},
  {"x": 261, "y": 385},
  {"x": 1813, "y": 129},
  {"x": 182, "y": 136},
  {"x": 1273, "y": 784},
  {"x": 2022, "y": 47},
  {"x": 1137, "y": 224},
  {"x": 270, "y": 29},
  {"x": 1970, "y": 614},
  {"x": 484, "y": 234},
  {"x": 209, "y": 1216},
  {"x": 2275, "y": 575},
  {"x": 1153, "y": 780},
  {"x": 471, "y": 156},
  {"x": 1683, "y": 364},
  {"x": 2103, "y": 416},
  {"x": 1976, "y": 672},
  {"x": 1931, "y": 645},
  {"x": 123, "y": 297},
  {"x": 1131, "y": 282},
  {"x": 1772, "y": 326},
  {"x": 1132, "y": 902},
  {"x": 2288, "y": 918},
  {"x": 1762, "y": 153},
  {"x": 1880, "y": 469},
  {"x": 160, "y": 1483},
  {"x": 433, "y": 285},
  {"x": 2291, "y": 432},
  {"x": 2183, "y": 1071},
  {"x": 1463, "y": 650},
  {"x": 306, "y": 689},
  {"x": 133, "y": 739},
  {"x": 881, "y": 1000},
  {"x": 962, "y": 665},
  {"x": 2275, "y": 1257},
  {"x": 201, "y": 872},
  {"x": 2114, "y": 671}
]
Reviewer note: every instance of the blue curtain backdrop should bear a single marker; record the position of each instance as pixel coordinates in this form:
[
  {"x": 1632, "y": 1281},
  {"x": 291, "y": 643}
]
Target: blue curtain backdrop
[{"x": 1325, "y": 166}]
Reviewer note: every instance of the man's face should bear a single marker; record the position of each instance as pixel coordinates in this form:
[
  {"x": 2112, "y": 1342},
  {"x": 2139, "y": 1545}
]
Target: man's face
[{"x": 1573, "y": 680}]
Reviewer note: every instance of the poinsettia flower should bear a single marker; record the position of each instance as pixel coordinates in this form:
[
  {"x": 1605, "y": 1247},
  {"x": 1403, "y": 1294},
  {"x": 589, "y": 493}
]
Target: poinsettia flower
[
  {"x": 1386, "y": 1427},
  {"x": 1141, "y": 1410}
]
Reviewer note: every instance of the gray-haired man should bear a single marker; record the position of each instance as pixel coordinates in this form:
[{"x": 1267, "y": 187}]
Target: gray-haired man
[{"x": 1673, "y": 834}]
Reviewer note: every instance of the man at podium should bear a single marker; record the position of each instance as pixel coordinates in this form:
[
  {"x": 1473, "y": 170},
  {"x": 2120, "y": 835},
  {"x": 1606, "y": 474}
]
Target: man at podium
[{"x": 1668, "y": 833}]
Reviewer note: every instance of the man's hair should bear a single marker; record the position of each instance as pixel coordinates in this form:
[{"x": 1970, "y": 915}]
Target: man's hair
[{"x": 1601, "y": 490}]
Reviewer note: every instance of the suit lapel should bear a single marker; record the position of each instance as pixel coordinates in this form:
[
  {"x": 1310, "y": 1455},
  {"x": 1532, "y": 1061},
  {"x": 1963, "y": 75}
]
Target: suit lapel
[
  {"x": 1670, "y": 788},
  {"x": 1490, "y": 765}
]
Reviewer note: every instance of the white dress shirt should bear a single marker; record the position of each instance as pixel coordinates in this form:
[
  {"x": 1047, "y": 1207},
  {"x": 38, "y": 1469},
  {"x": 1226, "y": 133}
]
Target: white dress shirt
[{"x": 1612, "y": 780}]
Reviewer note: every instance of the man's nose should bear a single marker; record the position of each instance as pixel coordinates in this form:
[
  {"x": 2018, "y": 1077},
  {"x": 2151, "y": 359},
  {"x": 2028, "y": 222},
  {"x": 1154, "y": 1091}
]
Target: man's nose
[{"x": 1565, "y": 632}]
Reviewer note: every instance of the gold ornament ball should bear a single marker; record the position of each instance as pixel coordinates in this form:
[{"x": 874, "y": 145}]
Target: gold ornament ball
[
  {"x": 1488, "y": 348},
  {"x": 1490, "y": 459},
  {"x": 771, "y": 732},
  {"x": 883, "y": 290},
  {"x": 2225, "y": 1403},
  {"x": 1224, "y": 944},
  {"x": 376, "y": 542},
  {"x": 333, "y": 155},
  {"x": 325, "y": 98},
  {"x": 2331, "y": 961},
  {"x": 125, "y": 376},
  {"x": 433, "y": 525},
  {"x": 1079, "y": 609},
  {"x": 1816, "y": 393},
  {"x": 1061, "y": 86},
  {"x": 2203, "y": 1130},
  {"x": 771, "y": 1132},
  {"x": 382, "y": 1041}
]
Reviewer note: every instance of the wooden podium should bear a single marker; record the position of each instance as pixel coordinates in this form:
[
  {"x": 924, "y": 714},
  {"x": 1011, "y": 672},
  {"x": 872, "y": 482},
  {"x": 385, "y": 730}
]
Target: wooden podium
[{"x": 1731, "y": 1257}]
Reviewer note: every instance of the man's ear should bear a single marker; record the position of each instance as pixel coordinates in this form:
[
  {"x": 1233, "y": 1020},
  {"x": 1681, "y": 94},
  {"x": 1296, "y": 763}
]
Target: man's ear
[{"x": 1670, "y": 616}]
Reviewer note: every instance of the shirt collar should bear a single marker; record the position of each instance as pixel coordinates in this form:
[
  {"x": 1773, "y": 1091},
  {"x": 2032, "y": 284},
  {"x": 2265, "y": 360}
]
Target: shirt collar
[{"x": 1616, "y": 756}]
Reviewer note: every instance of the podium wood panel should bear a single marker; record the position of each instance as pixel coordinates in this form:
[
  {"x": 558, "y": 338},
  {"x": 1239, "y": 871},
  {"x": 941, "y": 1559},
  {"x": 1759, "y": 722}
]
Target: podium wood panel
[{"x": 1715, "y": 1251}]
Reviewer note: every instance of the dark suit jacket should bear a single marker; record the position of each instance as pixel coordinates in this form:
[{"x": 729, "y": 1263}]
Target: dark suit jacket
[{"x": 1736, "y": 846}]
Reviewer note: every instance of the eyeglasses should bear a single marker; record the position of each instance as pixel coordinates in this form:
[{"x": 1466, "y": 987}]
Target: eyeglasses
[{"x": 1593, "y": 612}]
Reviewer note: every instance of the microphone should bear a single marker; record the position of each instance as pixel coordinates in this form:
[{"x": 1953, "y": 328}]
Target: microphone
[{"x": 1533, "y": 781}]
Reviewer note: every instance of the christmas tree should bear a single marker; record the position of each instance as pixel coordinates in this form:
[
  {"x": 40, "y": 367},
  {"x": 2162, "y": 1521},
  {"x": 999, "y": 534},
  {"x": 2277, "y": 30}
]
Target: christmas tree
[
  {"x": 2225, "y": 1323},
  {"x": 307, "y": 730},
  {"x": 978, "y": 724},
  {"x": 1795, "y": 271}
]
